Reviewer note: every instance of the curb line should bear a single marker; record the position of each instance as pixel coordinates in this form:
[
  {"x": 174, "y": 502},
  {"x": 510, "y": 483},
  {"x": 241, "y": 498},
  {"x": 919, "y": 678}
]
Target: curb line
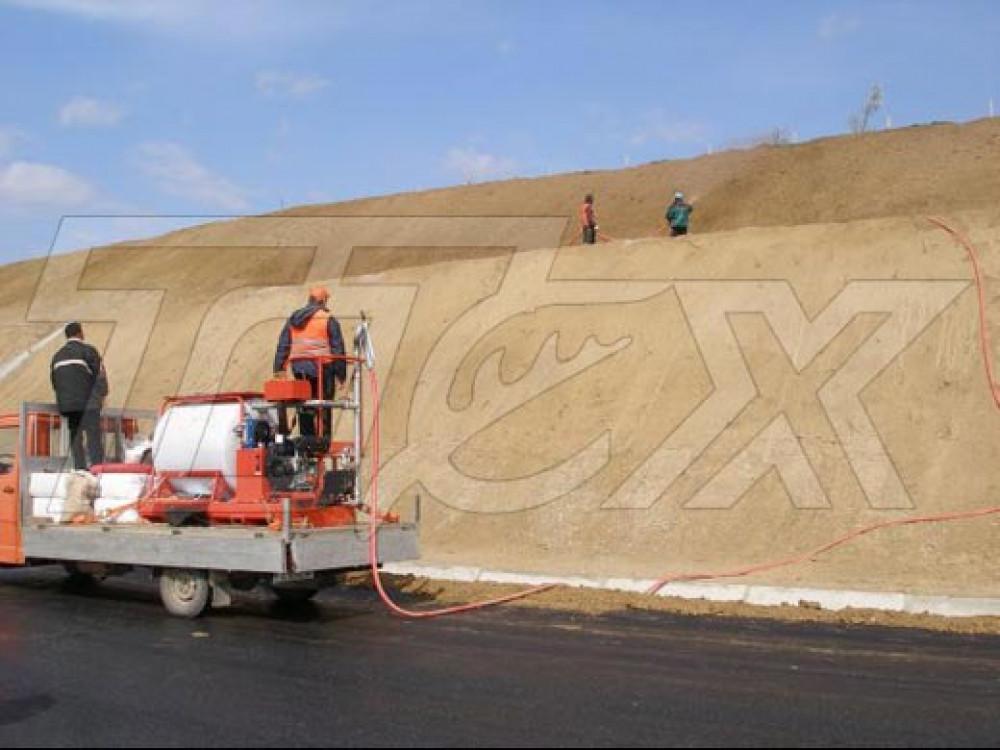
[{"x": 767, "y": 596}]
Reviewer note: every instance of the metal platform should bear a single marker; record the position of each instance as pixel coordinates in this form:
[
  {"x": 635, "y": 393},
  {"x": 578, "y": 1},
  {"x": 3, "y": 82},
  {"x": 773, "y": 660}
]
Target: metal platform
[
  {"x": 249, "y": 549},
  {"x": 237, "y": 548}
]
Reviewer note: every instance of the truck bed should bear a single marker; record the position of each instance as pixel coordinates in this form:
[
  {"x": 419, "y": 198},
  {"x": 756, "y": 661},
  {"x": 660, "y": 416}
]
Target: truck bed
[{"x": 236, "y": 548}]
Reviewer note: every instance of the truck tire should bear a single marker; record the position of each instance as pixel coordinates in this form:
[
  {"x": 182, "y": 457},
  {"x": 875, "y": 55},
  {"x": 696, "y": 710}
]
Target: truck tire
[{"x": 185, "y": 593}]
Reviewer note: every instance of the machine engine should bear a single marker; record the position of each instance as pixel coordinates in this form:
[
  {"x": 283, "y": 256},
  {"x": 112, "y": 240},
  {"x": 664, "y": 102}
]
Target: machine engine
[{"x": 233, "y": 457}]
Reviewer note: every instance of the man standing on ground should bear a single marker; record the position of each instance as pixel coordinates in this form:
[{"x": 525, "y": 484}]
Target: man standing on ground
[
  {"x": 679, "y": 215},
  {"x": 81, "y": 385},
  {"x": 588, "y": 220},
  {"x": 309, "y": 333}
]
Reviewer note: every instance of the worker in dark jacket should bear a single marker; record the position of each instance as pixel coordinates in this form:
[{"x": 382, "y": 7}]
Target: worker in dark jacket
[
  {"x": 678, "y": 215},
  {"x": 81, "y": 385},
  {"x": 588, "y": 221},
  {"x": 309, "y": 333}
]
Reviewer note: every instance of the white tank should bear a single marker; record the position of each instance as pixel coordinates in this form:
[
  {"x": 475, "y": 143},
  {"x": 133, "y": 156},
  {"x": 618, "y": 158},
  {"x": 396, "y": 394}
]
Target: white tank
[{"x": 198, "y": 437}]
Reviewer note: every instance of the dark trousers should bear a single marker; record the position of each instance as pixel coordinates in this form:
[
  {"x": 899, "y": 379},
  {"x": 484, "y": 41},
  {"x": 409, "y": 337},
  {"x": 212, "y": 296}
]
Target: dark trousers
[
  {"x": 85, "y": 424},
  {"x": 678, "y": 231},
  {"x": 307, "y": 420},
  {"x": 590, "y": 235}
]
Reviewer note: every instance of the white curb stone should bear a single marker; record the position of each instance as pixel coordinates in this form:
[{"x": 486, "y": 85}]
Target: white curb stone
[{"x": 767, "y": 596}]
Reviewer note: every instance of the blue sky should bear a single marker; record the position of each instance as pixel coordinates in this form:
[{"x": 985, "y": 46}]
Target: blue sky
[{"x": 237, "y": 106}]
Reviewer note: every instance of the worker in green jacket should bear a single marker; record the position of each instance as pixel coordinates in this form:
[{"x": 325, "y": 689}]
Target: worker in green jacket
[{"x": 679, "y": 215}]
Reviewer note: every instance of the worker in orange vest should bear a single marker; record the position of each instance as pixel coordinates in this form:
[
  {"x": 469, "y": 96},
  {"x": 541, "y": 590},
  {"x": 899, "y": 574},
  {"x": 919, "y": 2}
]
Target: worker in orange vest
[
  {"x": 588, "y": 220},
  {"x": 313, "y": 332}
]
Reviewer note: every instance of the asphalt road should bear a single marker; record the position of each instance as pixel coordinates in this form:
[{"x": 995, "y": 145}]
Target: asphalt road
[{"x": 107, "y": 666}]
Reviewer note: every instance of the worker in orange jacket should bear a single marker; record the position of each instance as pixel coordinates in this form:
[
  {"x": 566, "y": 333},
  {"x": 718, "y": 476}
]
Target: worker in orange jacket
[
  {"x": 313, "y": 332},
  {"x": 588, "y": 220}
]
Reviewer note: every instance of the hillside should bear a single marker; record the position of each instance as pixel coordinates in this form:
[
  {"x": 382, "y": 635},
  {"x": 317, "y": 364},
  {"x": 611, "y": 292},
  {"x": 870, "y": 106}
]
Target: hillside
[
  {"x": 652, "y": 405},
  {"x": 942, "y": 168}
]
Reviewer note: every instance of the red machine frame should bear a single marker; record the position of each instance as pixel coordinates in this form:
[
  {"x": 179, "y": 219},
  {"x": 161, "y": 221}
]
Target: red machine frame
[{"x": 253, "y": 501}]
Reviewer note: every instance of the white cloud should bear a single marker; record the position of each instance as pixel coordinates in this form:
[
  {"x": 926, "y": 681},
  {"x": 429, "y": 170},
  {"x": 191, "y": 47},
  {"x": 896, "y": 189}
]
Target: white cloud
[
  {"x": 276, "y": 83},
  {"x": 473, "y": 165},
  {"x": 175, "y": 171},
  {"x": 85, "y": 111},
  {"x": 109, "y": 10},
  {"x": 43, "y": 185},
  {"x": 837, "y": 24},
  {"x": 239, "y": 20}
]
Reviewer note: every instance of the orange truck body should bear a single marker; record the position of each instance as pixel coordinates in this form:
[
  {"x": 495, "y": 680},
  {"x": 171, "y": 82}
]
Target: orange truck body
[{"x": 11, "y": 550}]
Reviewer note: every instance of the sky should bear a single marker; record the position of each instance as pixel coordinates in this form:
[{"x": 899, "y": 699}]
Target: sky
[{"x": 132, "y": 108}]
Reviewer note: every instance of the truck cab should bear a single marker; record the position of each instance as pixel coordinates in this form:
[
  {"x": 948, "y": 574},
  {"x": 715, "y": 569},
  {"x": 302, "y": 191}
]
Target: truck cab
[
  {"x": 11, "y": 552},
  {"x": 43, "y": 443}
]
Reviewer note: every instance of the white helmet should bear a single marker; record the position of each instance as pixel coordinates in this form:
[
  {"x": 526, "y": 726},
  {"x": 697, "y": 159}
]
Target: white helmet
[{"x": 679, "y": 195}]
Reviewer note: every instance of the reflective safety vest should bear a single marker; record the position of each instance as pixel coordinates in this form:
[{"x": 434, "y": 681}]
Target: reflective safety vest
[
  {"x": 587, "y": 218},
  {"x": 313, "y": 339}
]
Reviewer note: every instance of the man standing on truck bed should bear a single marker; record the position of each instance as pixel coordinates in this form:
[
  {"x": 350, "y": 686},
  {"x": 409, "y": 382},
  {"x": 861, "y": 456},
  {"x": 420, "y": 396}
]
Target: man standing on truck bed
[
  {"x": 81, "y": 385},
  {"x": 313, "y": 332}
]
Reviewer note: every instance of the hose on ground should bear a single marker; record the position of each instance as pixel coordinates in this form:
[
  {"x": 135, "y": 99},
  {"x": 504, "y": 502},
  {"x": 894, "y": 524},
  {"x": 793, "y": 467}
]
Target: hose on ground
[
  {"x": 984, "y": 339},
  {"x": 375, "y": 520},
  {"x": 985, "y": 346}
]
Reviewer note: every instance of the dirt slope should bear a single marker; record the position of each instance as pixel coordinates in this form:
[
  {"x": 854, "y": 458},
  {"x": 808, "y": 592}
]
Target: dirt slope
[
  {"x": 943, "y": 167},
  {"x": 643, "y": 407}
]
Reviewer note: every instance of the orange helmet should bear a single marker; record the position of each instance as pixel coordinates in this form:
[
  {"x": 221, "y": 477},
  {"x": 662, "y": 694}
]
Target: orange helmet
[{"x": 319, "y": 294}]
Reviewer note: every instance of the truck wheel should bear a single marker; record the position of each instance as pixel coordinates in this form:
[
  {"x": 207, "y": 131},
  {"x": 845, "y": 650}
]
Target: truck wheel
[
  {"x": 185, "y": 593},
  {"x": 295, "y": 594}
]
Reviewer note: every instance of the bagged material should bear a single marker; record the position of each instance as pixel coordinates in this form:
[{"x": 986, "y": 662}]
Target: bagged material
[
  {"x": 125, "y": 487},
  {"x": 116, "y": 510},
  {"x": 47, "y": 485},
  {"x": 51, "y": 509},
  {"x": 62, "y": 497},
  {"x": 81, "y": 492}
]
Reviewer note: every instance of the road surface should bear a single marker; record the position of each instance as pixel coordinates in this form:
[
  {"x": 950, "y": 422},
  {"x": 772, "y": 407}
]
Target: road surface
[{"x": 106, "y": 666}]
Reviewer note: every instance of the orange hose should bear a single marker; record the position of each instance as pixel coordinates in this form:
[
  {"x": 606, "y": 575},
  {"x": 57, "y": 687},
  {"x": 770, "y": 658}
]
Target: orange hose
[
  {"x": 984, "y": 338},
  {"x": 375, "y": 518},
  {"x": 984, "y": 329},
  {"x": 809, "y": 556}
]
